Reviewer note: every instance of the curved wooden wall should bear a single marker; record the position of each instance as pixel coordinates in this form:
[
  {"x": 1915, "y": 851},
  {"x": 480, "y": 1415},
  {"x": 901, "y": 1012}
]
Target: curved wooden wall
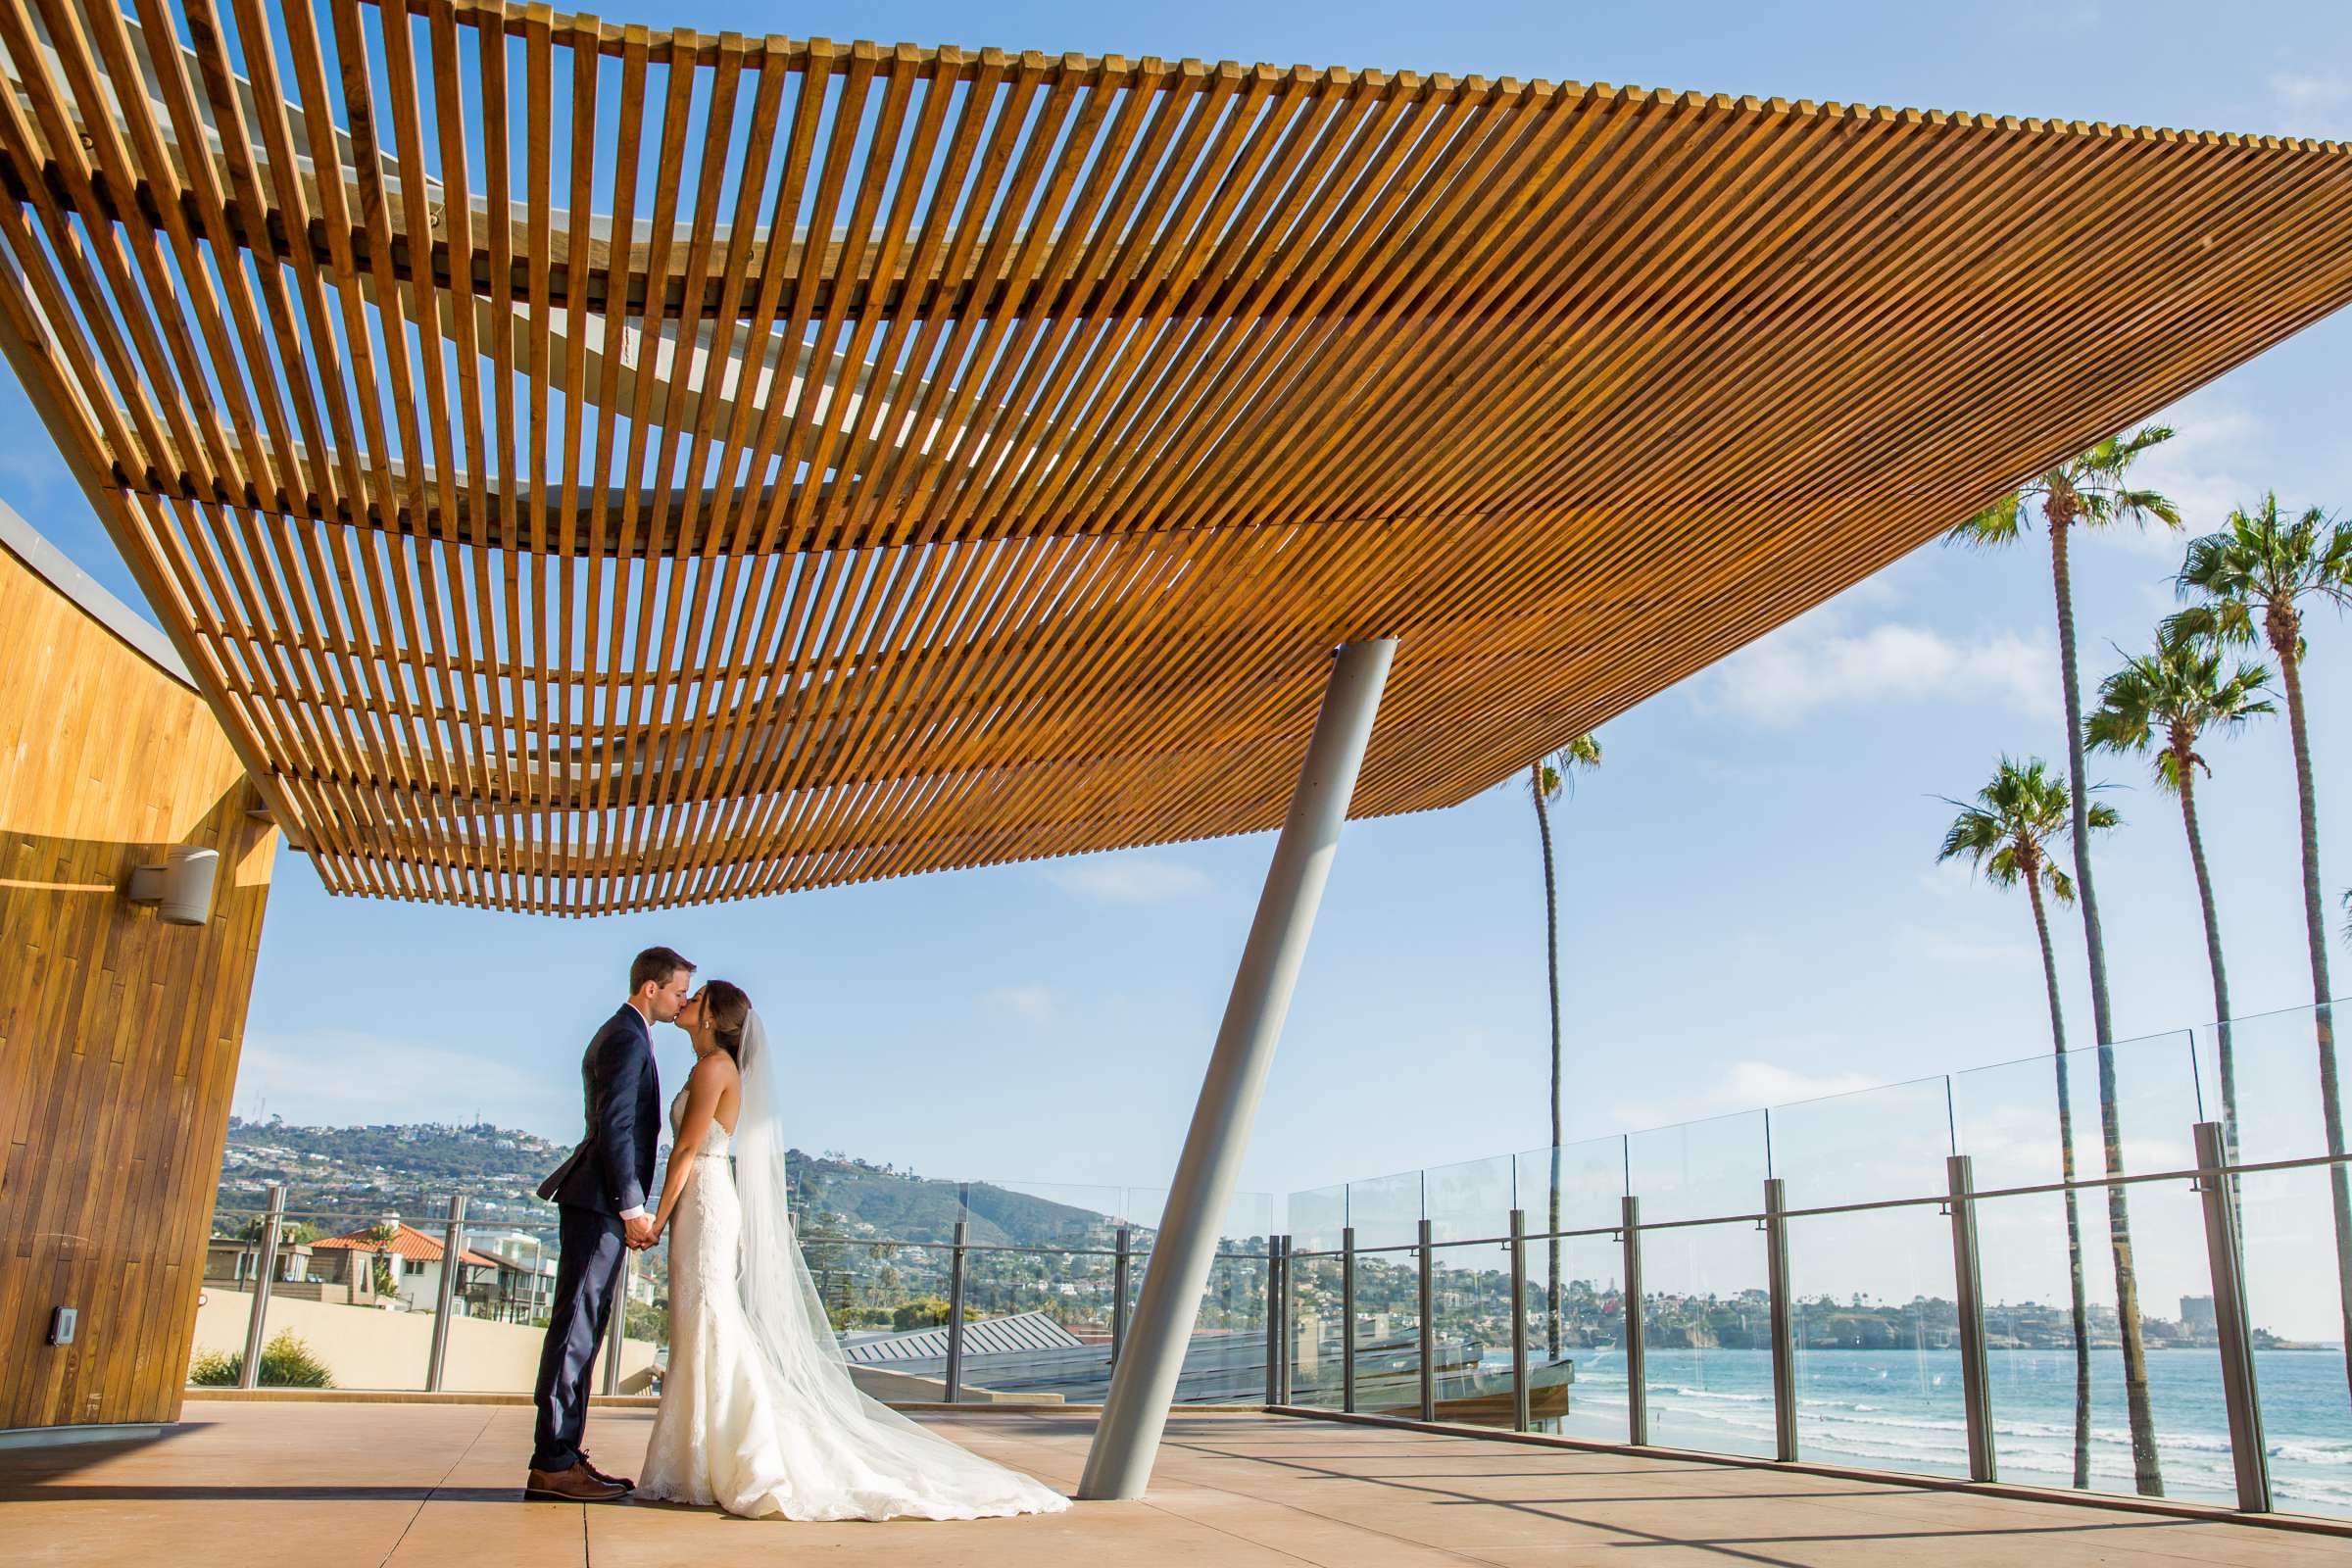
[{"x": 119, "y": 1035}]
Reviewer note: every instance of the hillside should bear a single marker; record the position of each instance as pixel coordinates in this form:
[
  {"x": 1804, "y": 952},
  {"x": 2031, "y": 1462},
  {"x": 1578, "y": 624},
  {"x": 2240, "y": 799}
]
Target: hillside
[{"x": 412, "y": 1169}]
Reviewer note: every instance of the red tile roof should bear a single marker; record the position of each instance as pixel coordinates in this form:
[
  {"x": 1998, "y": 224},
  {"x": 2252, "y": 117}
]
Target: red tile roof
[{"x": 410, "y": 1243}]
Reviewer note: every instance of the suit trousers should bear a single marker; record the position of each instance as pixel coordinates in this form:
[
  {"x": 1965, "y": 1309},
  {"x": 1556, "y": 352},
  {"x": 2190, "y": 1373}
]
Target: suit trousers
[{"x": 586, "y": 1276}]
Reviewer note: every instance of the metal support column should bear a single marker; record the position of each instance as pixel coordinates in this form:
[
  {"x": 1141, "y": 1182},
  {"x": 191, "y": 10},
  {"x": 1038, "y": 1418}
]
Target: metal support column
[
  {"x": 1976, "y": 1377},
  {"x": 1427, "y": 1336},
  {"x": 956, "y": 1316},
  {"x": 616, "y": 1325},
  {"x": 1637, "y": 1384},
  {"x": 1348, "y": 1319},
  {"x": 1520, "y": 1421},
  {"x": 1273, "y": 1314},
  {"x": 2231, "y": 1321},
  {"x": 1135, "y": 1412},
  {"x": 452, "y": 1248},
  {"x": 1783, "y": 1320},
  {"x": 1118, "y": 1291},
  {"x": 274, "y": 1221}
]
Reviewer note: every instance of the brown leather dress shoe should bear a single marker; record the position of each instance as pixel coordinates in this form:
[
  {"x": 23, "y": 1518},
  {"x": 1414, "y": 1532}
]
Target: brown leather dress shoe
[
  {"x": 623, "y": 1482},
  {"x": 576, "y": 1485}
]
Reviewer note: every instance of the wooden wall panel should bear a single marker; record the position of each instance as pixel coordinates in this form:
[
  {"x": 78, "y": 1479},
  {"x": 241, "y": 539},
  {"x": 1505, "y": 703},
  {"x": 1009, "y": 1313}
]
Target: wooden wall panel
[{"x": 119, "y": 1034}]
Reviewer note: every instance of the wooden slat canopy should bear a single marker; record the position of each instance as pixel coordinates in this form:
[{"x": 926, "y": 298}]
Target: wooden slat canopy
[{"x": 592, "y": 467}]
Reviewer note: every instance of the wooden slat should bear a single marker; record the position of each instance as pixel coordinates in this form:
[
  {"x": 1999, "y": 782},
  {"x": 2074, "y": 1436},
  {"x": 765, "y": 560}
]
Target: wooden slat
[{"x": 791, "y": 462}]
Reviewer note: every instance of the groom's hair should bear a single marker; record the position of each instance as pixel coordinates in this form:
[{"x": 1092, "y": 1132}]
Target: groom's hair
[{"x": 654, "y": 966}]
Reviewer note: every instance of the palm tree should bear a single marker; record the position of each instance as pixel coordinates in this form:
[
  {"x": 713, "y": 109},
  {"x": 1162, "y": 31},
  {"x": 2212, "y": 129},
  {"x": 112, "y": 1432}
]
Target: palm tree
[
  {"x": 2091, "y": 490},
  {"x": 2265, "y": 566},
  {"x": 2008, "y": 834},
  {"x": 2163, "y": 703},
  {"x": 1546, "y": 778}
]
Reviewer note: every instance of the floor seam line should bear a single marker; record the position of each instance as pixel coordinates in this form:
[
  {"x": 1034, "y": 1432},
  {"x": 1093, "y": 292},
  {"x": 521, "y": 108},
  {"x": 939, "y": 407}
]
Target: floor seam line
[{"x": 471, "y": 1444}]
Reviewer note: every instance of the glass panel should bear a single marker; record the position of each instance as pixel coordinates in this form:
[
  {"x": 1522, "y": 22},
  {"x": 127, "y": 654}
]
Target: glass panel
[
  {"x": 1473, "y": 1199},
  {"x": 1878, "y": 1360},
  {"x": 890, "y": 1307},
  {"x": 2291, "y": 1297},
  {"x": 1708, "y": 1337},
  {"x": 1592, "y": 1184},
  {"x": 2272, "y": 1065},
  {"x": 1037, "y": 1327},
  {"x": 505, "y": 1287},
  {"x": 1870, "y": 1145},
  {"x": 1316, "y": 1378},
  {"x": 1226, "y": 1361},
  {"x": 1700, "y": 1169},
  {"x": 1386, "y": 1210},
  {"x": 1471, "y": 1302},
  {"x": 1388, "y": 1329},
  {"x": 1249, "y": 1216},
  {"x": 2030, "y": 1348},
  {"x": 2008, "y": 1117},
  {"x": 1580, "y": 1390},
  {"x": 1316, "y": 1218}
]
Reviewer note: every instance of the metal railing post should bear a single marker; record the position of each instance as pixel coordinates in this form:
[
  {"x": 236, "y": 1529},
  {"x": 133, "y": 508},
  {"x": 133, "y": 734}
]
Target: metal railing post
[
  {"x": 1636, "y": 1386},
  {"x": 2247, "y": 1454},
  {"x": 1273, "y": 1320},
  {"x": 453, "y": 1250},
  {"x": 616, "y": 1325},
  {"x": 1118, "y": 1291},
  {"x": 1429, "y": 1327},
  {"x": 1976, "y": 1379},
  {"x": 273, "y": 1221},
  {"x": 1784, "y": 1319},
  {"x": 956, "y": 1317},
  {"x": 1520, "y": 1421},
  {"x": 1289, "y": 1317},
  {"x": 1348, "y": 1319}
]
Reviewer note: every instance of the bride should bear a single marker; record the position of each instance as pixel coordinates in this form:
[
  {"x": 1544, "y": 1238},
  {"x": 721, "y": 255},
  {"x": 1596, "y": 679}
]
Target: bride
[{"x": 757, "y": 1411}]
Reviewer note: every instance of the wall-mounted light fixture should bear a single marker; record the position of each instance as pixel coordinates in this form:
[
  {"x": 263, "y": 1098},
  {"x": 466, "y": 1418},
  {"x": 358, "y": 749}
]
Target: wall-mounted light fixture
[{"x": 182, "y": 888}]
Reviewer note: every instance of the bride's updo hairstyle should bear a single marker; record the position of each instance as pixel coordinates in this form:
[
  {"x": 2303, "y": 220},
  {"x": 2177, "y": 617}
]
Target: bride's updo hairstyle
[{"x": 727, "y": 1008}]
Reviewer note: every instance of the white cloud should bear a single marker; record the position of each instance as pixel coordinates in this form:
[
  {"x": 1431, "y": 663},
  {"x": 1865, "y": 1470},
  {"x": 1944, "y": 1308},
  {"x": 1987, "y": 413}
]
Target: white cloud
[
  {"x": 1129, "y": 879},
  {"x": 2313, "y": 105},
  {"x": 1744, "y": 1086},
  {"x": 330, "y": 1077},
  {"x": 1035, "y": 1003},
  {"x": 1747, "y": 1085},
  {"x": 2211, "y": 463},
  {"x": 1817, "y": 662}
]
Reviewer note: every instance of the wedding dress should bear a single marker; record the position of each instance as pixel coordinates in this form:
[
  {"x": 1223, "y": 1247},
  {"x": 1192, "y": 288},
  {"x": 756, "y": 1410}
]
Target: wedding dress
[{"x": 757, "y": 1411}]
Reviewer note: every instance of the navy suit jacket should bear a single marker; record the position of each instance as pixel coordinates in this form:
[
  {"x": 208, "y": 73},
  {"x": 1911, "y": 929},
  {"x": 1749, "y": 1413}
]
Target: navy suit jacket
[{"x": 613, "y": 1169}]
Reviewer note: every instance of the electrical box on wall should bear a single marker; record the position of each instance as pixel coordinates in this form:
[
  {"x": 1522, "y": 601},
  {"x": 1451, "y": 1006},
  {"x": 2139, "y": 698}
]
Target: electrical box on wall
[{"x": 61, "y": 1325}]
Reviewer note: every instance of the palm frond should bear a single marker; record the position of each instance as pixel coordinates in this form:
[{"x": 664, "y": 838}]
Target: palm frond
[{"x": 2001, "y": 523}]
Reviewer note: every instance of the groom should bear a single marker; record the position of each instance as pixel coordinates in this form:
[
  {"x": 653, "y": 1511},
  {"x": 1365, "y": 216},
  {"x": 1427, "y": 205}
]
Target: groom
[{"x": 600, "y": 1193}]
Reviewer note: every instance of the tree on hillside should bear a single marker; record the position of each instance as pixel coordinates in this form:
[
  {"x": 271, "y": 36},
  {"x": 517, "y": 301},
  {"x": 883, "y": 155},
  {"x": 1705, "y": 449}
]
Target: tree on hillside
[{"x": 2009, "y": 834}]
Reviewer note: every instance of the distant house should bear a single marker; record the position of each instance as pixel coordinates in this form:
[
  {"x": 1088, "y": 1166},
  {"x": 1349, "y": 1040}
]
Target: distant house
[{"x": 414, "y": 1259}]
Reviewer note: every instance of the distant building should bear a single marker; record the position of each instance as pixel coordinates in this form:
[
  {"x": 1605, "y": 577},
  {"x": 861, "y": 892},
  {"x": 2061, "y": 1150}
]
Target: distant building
[
  {"x": 414, "y": 1261},
  {"x": 2196, "y": 1313}
]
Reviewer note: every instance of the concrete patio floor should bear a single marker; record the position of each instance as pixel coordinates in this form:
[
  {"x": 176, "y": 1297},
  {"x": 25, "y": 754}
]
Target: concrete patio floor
[{"x": 258, "y": 1484}]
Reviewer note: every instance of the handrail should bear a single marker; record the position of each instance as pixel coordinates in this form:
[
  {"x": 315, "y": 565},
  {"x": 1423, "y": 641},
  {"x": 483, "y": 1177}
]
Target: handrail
[{"x": 1939, "y": 1200}]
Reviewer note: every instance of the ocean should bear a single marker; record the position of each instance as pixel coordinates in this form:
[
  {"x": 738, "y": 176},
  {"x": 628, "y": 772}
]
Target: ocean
[{"x": 1901, "y": 1410}]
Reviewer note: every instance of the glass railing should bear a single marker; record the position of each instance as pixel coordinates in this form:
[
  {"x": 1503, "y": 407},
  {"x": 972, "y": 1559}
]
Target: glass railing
[
  {"x": 359, "y": 1293},
  {"x": 1800, "y": 1290}
]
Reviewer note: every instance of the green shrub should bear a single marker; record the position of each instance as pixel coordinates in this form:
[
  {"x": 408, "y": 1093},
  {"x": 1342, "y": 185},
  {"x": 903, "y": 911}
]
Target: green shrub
[{"x": 286, "y": 1363}]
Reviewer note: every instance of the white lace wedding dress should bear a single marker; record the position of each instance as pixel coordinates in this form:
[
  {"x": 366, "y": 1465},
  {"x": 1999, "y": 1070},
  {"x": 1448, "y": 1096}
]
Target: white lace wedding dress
[{"x": 758, "y": 1412}]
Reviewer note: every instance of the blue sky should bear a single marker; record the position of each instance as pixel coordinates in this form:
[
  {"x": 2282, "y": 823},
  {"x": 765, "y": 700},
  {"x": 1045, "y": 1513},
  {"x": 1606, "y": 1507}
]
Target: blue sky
[{"x": 1750, "y": 904}]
